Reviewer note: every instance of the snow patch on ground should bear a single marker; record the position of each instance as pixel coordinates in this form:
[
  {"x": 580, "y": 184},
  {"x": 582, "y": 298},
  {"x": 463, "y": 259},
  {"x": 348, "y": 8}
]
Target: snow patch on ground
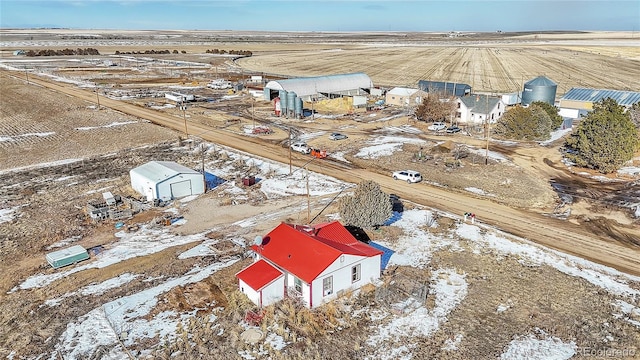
[
  {"x": 530, "y": 254},
  {"x": 452, "y": 344},
  {"x": 478, "y": 191},
  {"x": 96, "y": 289},
  {"x": 416, "y": 247},
  {"x": 113, "y": 124},
  {"x": 449, "y": 289},
  {"x": 539, "y": 347},
  {"x": 9, "y": 214},
  {"x": 143, "y": 242},
  {"x": 15, "y": 137},
  {"x": 385, "y": 146},
  {"x": 629, "y": 312}
]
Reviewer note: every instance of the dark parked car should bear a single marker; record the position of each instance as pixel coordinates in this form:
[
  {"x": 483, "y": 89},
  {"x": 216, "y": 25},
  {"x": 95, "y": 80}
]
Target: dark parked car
[
  {"x": 337, "y": 136},
  {"x": 453, "y": 129}
]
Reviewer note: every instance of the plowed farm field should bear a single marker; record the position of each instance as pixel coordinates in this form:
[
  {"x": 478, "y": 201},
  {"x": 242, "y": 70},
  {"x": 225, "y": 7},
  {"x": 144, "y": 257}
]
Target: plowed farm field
[{"x": 486, "y": 67}]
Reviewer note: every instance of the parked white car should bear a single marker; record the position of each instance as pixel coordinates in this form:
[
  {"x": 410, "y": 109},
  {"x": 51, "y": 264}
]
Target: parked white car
[
  {"x": 437, "y": 126},
  {"x": 409, "y": 176},
  {"x": 301, "y": 147}
]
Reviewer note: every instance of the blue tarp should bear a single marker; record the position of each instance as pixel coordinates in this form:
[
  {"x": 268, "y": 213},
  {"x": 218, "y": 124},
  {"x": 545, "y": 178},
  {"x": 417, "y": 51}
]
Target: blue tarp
[
  {"x": 386, "y": 256},
  {"x": 395, "y": 217},
  {"x": 212, "y": 180}
]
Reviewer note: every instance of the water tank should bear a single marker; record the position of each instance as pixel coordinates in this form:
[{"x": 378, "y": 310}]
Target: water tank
[
  {"x": 298, "y": 107},
  {"x": 283, "y": 101},
  {"x": 539, "y": 89},
  {"x": 291, "y": 102}
]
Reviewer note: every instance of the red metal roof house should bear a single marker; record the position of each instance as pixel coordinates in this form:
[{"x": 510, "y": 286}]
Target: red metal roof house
[{"x": 316, "y": 263}]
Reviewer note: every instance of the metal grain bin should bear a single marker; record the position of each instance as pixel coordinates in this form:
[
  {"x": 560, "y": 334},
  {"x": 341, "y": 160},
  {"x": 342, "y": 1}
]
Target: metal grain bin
[
  {"x": 68, "y": 256},
  {"x": 291, "y": 102},
  {"x": 298, "y": 107},
  {"x": 539, "y": 89},
  {"x": 282, "y": 94}
]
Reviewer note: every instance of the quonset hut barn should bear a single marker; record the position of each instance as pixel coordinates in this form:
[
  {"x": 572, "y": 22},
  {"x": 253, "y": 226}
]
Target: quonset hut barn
[{"x": 290, "y": 94}]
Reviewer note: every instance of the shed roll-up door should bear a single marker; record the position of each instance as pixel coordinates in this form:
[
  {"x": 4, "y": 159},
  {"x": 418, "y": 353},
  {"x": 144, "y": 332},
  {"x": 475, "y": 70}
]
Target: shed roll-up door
[{"x": 181, "y": 189}]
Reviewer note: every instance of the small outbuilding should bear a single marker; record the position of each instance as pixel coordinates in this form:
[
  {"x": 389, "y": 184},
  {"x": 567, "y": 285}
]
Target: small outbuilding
[
  {"x": 68, "y": 256},
  {"x": 166, "y": 180},
  {"x": 400, "y": 96}
]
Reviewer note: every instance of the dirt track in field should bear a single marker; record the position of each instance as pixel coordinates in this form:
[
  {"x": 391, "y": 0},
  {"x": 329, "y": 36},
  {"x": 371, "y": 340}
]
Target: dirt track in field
[{"x": 561, "y": 235}]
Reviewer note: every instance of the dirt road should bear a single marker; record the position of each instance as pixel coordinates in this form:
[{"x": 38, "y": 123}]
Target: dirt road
[{"x": 554, "y": 233}]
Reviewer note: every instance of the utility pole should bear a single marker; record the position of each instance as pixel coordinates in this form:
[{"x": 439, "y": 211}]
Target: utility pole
[
  {"x": 486, "y": 157},
  {"x": 313, "y": 100},
  {"x": 97, "y": 96},
  {"x": 184, "y": 116},
  {"x": 308, "y": 197},
  {"x": 290, "y": 167},
  {"x": 203, "y": 150},
  {"x": 253, "y": 113}
]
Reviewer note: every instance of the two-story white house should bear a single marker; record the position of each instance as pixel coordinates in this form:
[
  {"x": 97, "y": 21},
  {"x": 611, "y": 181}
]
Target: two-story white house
[
  {"x": 314, "y": 263},
  {"x": 475, "y": 109}
]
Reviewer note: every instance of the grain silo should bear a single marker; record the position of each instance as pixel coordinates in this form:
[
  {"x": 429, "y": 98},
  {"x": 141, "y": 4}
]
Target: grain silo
[
  {"x": 298, "y": 107},
  {"x": 283, "y": 102},
  {"x": 291, "y": 103},
  {"x": 539, "y": 89}
]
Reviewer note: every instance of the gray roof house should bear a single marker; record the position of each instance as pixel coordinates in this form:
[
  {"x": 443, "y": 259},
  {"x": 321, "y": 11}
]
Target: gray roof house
[{"x": 476, "y": 109}]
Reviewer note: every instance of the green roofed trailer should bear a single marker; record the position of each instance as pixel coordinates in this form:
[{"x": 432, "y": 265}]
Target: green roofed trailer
[{"x": 68, "y": 256}]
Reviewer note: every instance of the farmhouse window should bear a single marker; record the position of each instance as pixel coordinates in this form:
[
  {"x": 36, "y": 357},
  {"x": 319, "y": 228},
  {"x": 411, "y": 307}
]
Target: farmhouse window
[
  {"x": 327, "y": 286},
  {"x": 297, "y": 284},
  {"x": 355, "y": 273},
  {"x": 459, "y": 105}
]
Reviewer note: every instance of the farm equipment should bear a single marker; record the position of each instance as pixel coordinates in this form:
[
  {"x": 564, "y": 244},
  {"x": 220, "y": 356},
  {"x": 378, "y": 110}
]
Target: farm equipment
[
  {"x": 320, "y": 154},
  {"x": 261, "y": 130}
]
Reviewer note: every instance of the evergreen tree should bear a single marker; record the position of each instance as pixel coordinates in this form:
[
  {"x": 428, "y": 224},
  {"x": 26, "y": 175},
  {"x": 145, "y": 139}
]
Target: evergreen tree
[
  {"x": 605, "y": 139},
  {"x": 369, "y": 206},
  {"x": 552, "y": 111},
  {"x": 519, "y": 123}
]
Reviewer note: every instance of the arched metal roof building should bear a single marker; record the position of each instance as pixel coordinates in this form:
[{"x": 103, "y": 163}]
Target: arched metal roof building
[{"x": 345, "y": 84}]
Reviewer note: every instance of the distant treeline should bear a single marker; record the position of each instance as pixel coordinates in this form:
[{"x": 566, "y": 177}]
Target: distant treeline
[
  {"x": 148, "y": 52},
  {"x": 214, "y": 51},
  {"x": 49, "y": 52},
  {"x": 231, "y": 52}
]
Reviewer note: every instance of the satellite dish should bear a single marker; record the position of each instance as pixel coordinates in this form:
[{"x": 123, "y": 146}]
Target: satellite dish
[{"x": 258, "y": 240}]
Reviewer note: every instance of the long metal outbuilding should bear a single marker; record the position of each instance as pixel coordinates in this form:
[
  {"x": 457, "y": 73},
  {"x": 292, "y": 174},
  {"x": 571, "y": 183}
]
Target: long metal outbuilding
[
  {"x": 444, "y": 87},
  {"x": 68, "y": 256},
  {"x": 584, "y": 98},
  {"x": 305, "y": 87}
]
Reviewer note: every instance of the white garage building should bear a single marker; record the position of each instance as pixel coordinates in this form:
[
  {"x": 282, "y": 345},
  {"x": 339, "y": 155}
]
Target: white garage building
[{"x": 166, "y": 180}]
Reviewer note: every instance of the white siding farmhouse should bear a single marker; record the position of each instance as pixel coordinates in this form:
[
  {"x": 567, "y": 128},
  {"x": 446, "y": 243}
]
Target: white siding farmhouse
[
  {"x": 476, "y": 109},
  {"x": 313, "y": 263}
]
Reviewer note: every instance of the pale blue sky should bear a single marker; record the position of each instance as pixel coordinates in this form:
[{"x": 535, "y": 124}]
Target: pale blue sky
[{"x": 309, "y": 15}]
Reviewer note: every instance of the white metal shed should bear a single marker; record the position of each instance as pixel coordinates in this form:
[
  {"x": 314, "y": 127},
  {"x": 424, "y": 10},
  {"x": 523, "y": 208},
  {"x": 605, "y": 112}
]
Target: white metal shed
[{"x": 166, "y": 180}]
